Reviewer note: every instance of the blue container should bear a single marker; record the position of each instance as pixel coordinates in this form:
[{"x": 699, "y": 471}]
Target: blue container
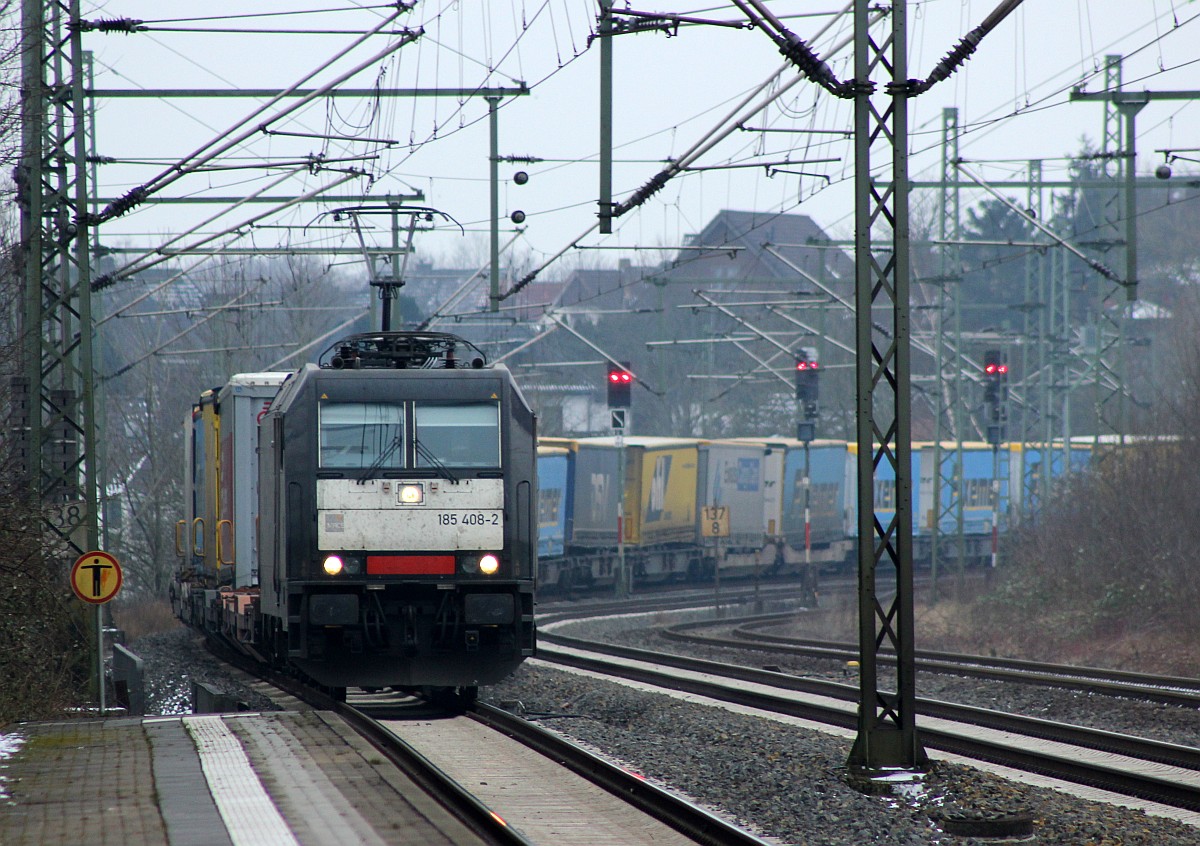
[
  {"x": 885, "y": 491},
  {"x": 830, "y": 501},
  {"x": 554, "y": 467}
]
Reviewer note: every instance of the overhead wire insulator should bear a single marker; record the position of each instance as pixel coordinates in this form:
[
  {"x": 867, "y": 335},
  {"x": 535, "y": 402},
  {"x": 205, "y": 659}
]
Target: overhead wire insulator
[
  {"x": 951, "y": 62},
  {"x": 525, "y": 280},
  {"x": 962, "y": 51},
  {"x": 118, "y": 207},
  {"x": 107, "y": 25},
  {"x": 644, "y": 193},
  {"x": 797, "y": 51}
]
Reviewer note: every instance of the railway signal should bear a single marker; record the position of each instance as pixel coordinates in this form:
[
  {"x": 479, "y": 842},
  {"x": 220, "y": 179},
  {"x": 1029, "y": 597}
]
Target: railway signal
[
  {"x": 995, "y": 377},
  {"x": 995, "y": 393},
  {"x": 808, "y": 374},
  {"x": 620, "y": 386}
]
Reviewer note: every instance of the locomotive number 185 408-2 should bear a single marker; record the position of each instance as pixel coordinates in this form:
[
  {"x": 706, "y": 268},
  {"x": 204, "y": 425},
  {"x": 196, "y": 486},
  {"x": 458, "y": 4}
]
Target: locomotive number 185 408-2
[{"x": 469, "y": 518}]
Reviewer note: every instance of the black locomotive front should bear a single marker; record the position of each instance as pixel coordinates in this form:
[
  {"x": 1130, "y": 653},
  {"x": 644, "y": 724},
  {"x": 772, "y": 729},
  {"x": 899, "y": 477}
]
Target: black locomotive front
[{"x": 397, "y": 521}]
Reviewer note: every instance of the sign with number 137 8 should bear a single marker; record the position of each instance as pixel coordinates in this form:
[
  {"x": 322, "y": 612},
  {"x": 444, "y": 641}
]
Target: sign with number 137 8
[{"x": 715, "y": 522}]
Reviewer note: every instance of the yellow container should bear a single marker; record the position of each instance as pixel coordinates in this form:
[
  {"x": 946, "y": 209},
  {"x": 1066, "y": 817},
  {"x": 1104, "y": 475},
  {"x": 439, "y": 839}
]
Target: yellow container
[{"x": 660, "y": 477}]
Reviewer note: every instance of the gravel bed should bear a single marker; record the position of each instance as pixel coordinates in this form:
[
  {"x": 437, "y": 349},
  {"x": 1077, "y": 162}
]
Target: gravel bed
[
  {"x": 174, "y": 660},
  {"x": 790, "y": 784},
  {"x": 1159, "y": 721},
  {"x": 786, "y": 783}
]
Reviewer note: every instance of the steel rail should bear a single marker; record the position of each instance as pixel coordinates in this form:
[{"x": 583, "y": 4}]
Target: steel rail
[
  {"x": 1103, "y": 674},
  {"x": 476, "y": 815},
  {"x": 437, "y": 784},
  {"x": 1169, "y": 690},
  {"x": 564, "y": 610},
  {"x": 1105, "y": 776},
  {"x": 687, "y": 818}
]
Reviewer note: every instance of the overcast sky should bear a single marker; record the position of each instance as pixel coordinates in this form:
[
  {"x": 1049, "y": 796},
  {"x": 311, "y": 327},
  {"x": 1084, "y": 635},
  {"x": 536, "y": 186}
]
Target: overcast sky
[{"x": 1012, "y": 98}]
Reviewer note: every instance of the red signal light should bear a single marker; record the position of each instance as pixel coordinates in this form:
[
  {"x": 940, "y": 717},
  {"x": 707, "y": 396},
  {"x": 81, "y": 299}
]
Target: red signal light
[
  {"x": 620, "y": 383},
  {"x": 808, "y": 372}
]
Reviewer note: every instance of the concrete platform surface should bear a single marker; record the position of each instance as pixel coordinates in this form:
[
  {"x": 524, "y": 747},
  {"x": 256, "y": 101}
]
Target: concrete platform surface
[{"x": 286, "y": 778}]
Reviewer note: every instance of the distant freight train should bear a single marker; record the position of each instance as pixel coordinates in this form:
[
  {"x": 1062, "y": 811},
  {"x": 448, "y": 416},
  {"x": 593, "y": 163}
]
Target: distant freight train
[
  {"x": 370, "y": 521},
  {"x": 768, "y": 506}
]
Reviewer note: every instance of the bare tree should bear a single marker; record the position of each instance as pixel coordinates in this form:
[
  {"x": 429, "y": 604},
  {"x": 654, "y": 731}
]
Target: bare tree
[
  {"x": 1113, "y": 552},
  {"x": 235, "y": 316}
]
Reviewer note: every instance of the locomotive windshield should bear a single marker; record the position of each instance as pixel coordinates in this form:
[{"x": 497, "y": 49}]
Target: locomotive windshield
[
  {"x": 457, "y": 435},
  {"x": 362, "y": 434}
]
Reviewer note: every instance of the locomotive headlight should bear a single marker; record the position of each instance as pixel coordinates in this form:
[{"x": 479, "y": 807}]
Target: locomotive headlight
[
  {"x": 332, "y": 564},
  {"x": 411, "y": 494},
  {"x": 489, "y": 564}
]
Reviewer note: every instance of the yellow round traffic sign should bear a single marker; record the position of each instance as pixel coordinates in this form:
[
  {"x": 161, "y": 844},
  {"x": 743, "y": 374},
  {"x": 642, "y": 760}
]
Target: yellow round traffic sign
[{"x": 96, "y": 577}]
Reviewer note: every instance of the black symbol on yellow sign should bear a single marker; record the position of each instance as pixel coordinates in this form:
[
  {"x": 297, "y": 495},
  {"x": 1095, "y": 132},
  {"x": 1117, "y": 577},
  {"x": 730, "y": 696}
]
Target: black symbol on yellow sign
[{"x": 96, "y": 577}]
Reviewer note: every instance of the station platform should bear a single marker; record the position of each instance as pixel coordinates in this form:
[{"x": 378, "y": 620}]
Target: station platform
[{"x": 287, "y": 778}]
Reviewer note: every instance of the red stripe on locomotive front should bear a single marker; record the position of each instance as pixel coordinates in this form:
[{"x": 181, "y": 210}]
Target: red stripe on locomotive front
[{"x": 410, "y": 565}]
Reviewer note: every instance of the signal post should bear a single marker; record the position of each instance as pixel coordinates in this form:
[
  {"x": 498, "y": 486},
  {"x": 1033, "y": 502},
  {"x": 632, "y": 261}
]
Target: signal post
[
  {"x": 808, "y": 394},
  {"x": 995, "y": 397},
  {"x": 619, "y": 385}
]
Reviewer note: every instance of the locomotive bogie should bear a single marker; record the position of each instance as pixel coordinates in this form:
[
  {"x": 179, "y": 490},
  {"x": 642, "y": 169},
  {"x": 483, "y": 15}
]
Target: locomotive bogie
[{"x": 407, "y": 635}]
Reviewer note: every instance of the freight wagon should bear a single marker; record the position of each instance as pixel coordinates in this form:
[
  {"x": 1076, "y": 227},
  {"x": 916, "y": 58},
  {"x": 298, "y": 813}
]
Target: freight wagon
[{"x": 784, "y": 507}]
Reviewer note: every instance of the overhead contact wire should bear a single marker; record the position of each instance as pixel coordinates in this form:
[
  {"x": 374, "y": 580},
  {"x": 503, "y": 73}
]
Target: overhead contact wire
[{"x": 208, "y": 152}]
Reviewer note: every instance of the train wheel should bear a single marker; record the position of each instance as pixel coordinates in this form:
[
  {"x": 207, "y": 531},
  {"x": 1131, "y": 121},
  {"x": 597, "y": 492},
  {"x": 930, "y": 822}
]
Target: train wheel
[
  {"x": 337, "y": 694},
  {"x": 452, "y": 698}
]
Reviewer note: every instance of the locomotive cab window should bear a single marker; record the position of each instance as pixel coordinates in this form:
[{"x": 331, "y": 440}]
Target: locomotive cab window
[
  {"x": 362, "y": 434},
  {"x": 457, "y": 435}
]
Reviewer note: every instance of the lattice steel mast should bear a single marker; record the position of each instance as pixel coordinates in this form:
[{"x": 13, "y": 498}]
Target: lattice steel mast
[
  {"x": 950, "y": 388},
  {"x": 887, "y": 735},
  {"x": 58, "y": 416}
]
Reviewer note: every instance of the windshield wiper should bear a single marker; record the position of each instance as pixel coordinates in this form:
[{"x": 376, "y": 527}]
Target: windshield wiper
[
  {"x": 435, "y": 462},
  {"x": 383, "y": 456}
]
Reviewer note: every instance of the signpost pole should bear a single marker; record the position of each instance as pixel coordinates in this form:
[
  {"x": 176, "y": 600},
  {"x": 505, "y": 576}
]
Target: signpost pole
[
  {"x": 715, "y": 525},
  {"x": 622, "y": 580},
  {"x": 100, "y": 658},
  {"x": 717, "y": 575},
  {"x": 96, "y": 578}
]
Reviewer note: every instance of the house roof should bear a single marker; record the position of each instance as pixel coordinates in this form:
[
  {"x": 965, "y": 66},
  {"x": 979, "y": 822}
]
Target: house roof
[{"x": 745, "y": 247}]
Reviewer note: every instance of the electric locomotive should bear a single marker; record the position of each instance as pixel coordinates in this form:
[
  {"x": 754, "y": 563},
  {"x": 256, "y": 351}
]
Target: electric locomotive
[{"x": 396, "y": 519}]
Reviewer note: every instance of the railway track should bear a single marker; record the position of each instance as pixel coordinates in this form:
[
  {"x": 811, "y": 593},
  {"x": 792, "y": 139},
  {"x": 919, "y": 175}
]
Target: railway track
[
  {"x": 749, "y": 633},
  {"x": 541, "y": 784},
  {"x": 512, "y": 781},
  {"x": 1152, "y": 770}
]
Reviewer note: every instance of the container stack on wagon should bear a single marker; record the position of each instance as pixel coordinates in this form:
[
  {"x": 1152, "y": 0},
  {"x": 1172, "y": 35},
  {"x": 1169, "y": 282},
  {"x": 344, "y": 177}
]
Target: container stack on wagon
[{"x": 791, "y": 507}]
